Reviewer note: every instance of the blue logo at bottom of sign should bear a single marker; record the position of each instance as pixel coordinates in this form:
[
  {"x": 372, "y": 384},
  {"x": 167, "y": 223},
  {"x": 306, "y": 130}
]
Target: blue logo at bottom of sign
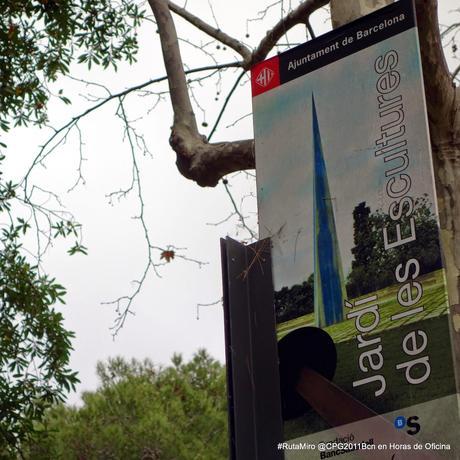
[{"x": 400, "y": 422}]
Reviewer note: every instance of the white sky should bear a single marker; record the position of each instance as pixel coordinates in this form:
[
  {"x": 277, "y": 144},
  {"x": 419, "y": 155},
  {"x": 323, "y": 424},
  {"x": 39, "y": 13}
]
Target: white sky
[{"x": 177, "y": 210}]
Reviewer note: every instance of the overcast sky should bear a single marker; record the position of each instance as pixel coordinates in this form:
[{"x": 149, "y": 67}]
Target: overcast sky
[{"x": 177, "y": 211}]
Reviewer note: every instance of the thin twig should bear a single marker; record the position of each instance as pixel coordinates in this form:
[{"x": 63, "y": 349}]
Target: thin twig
[
  {"x": 212, "y": 304},
  {"x": 224, "y": 106},
  {"x": 239, "y": 214},
  {"x": 310, "y": 28},
  {"x": 71, "y": 123},
  {"x": 456, "y": 72}
]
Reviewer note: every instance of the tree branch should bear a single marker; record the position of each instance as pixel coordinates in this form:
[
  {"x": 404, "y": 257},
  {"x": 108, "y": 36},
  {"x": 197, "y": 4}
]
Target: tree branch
[
  {"x": 231, "y": 42},
  {"x": 456, "y": 72},
  {"x": 197, "y": 159},
  {"x": 206, "y": 163},
  {"x": 227, "y": 99},
  {"x": 298, "y": 16},
  {"x": 184, "y": 118},
  {"x": 210, "y": 162},
  {"x": 60, "y": 134}
]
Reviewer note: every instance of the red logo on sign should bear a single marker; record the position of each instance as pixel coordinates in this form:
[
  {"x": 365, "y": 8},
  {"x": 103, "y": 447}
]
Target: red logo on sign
[{"x": 265, "y": 76}]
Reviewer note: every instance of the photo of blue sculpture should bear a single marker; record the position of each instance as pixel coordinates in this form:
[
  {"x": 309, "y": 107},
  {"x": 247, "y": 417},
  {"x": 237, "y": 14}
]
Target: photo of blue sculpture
[{"x": 328, "y": 279}]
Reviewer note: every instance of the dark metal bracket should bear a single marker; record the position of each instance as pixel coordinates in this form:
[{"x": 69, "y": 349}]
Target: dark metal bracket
[{"x": 254, "y": 403}]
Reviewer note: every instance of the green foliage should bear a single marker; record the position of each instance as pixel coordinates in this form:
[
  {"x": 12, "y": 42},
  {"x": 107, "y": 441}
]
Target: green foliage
[
  {"x": 373, "y": 266},
  {"x": 143, "y": 411},
  {"x": 34, "y": 346},
  {"x": 295, "y": 301},
  {"x": 39, "y": 39}
]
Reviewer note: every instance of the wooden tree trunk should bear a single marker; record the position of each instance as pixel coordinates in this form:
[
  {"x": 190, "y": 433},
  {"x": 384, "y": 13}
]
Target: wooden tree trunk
[{"x": 447, "y": 174}]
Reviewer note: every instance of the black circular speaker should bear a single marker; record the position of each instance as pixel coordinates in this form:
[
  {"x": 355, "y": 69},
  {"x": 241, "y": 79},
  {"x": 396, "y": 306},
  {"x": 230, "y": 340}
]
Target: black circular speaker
[{"x": 308, "y": 347}]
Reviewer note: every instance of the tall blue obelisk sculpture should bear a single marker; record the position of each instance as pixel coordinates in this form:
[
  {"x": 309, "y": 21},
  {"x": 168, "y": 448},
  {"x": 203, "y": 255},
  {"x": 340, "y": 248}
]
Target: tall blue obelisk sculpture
[{"x": 328, "y": 279}]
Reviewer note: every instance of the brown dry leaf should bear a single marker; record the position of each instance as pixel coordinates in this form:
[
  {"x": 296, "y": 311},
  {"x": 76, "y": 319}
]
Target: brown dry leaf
[{"x": 168, "y": 255}]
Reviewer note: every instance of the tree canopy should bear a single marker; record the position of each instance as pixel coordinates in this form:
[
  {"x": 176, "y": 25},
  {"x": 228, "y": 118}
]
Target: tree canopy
[
  {"x": 372, "y": 267},
  {"x": 143, "y": 411},
  {"x": 295, "y": 301},
  {"x": 40, "y": 39},
  {"x": 34, "y": 345}
]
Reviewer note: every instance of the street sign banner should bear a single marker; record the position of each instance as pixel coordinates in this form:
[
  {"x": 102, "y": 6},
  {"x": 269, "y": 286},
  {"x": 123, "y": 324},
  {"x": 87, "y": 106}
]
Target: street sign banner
[{"x": 346, "y": 195}]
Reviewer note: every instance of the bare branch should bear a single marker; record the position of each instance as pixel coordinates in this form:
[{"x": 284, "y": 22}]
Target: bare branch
[
  {"x": 212, "y": 304},
  {"x": 196, "y": 159},
  {"x": 227, "y": 99},
  {"x": 456, "y": 72},
  {"x": 449, "y": 29},
  {"x": 237, "y": 211},
  {"x": 60, "y": 134},
  {"x": 184, "y": 118},
  {"x": 231, "y": 42},
  {"x": 310, "y": 29},
  {"x": 124, "y": 303},
  {"x": 206, "y": 163},
  {"x": 233, "y": 123},
  {"x": 298, "y": 16}
]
